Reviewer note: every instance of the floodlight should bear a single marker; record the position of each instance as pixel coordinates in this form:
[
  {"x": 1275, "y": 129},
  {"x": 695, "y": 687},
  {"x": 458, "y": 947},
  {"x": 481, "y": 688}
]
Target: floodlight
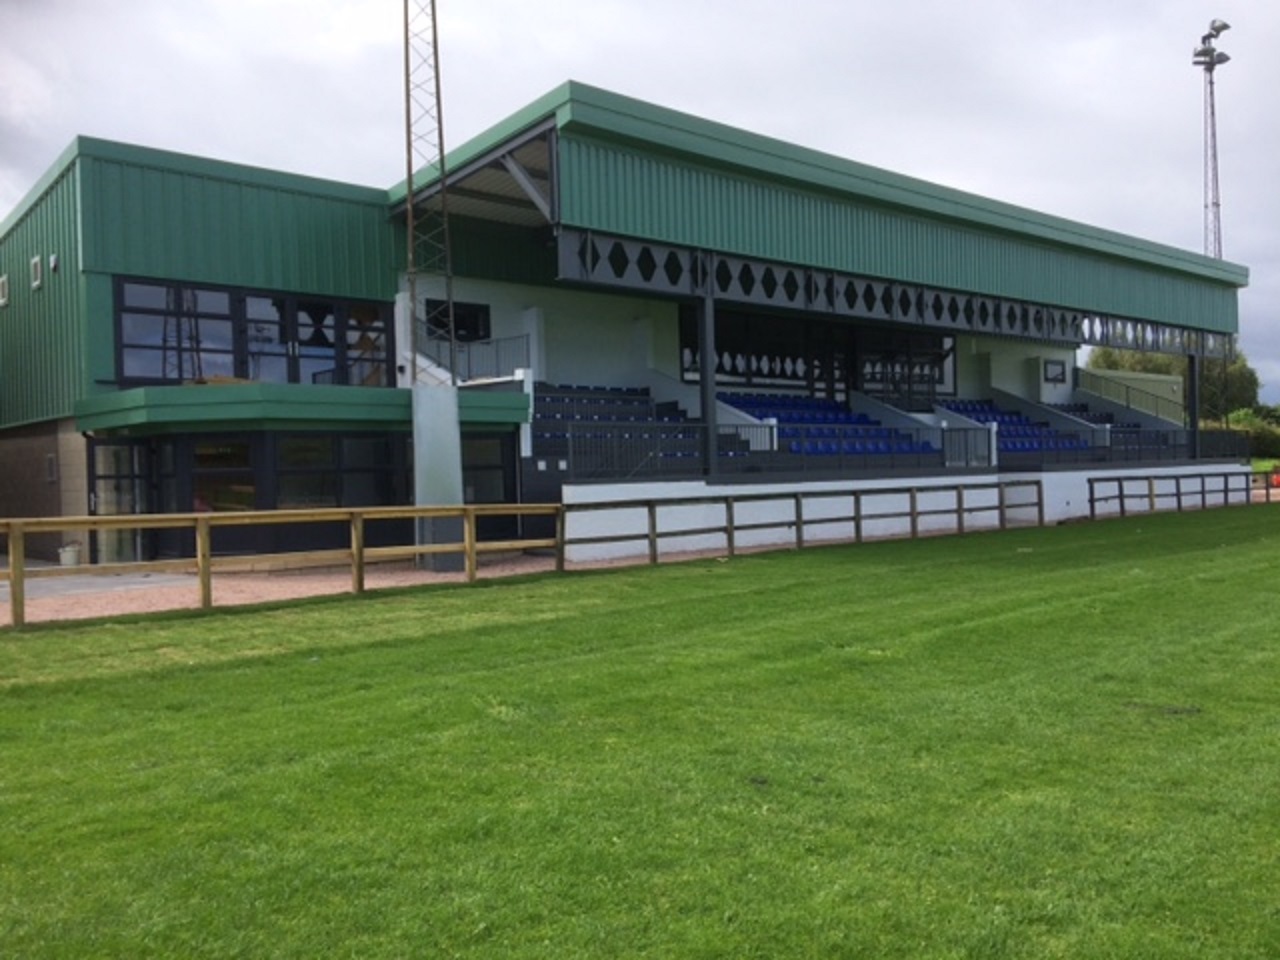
[{"x": 1216, "y": 27}]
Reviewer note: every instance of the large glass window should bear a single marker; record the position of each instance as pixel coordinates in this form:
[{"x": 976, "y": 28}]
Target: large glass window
[
  {"x": 175, "y": 333},
  {"x": 367, "y": 346},
  {"x": 222, "y": 477},
  {"x": 171, "y": 333},
  {"x": 266, "y": 339}
]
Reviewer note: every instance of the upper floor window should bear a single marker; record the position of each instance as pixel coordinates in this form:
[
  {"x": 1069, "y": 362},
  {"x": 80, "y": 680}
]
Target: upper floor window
[
  {"x": 470, "y": 321},
  {"x": 178, "y": 333}
]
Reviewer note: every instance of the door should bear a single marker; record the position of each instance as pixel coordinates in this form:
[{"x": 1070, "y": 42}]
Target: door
[
  {"x": 489, "y": 476},
  {"x": 121, "y": 483}
]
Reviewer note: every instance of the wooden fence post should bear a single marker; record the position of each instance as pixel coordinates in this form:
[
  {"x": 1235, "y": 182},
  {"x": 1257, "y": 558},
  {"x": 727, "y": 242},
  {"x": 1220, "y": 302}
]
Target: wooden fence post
[
  {"x": 17, "y": 576},
  {"x": 728, "y": 524},
  {"x": 357, "y": 553},
  {"x": 204, "y": 567},
  {"x": 561, "y": 525},
  {"x": 469, "y": 541}
]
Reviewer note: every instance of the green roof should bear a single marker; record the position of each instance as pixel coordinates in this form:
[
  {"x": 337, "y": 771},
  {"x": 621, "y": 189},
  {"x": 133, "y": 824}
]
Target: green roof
[{"x": 582, "y": 112}]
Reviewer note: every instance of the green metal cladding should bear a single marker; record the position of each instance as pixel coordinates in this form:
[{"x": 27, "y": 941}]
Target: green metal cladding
[
  {"x": 155, "y": 214},
  {"x": 616, "y": 189},
  {"x": 42, "y": 340},
  {"x": 108, "y": 209}
]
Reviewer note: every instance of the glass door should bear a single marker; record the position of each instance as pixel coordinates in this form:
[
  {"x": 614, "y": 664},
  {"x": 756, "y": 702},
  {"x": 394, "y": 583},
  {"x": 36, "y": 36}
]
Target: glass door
[{"x": 120, "y": 484}]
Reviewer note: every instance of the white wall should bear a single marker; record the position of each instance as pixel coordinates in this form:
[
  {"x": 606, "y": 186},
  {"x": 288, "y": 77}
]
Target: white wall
[
  {"x": 578, "y": 336},
  {"x": 986, "y": 363},
  {"x": 1066, "y": 497}
]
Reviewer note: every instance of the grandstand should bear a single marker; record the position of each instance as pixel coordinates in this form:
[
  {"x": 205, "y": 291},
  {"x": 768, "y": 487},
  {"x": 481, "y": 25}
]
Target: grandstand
[{"x": 643, "y": 300}]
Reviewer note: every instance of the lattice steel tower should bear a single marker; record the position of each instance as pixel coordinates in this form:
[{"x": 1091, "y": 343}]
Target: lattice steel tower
[{"x": 427, "y": 243}]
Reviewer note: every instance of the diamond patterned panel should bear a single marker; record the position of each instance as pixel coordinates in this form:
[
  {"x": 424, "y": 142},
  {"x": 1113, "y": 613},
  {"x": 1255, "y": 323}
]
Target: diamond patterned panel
[{"x": 661, "y": 268}]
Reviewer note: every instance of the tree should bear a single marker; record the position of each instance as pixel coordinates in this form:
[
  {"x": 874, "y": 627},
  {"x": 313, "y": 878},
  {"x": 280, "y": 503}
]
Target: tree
[{"x": 1221, "y": 391}]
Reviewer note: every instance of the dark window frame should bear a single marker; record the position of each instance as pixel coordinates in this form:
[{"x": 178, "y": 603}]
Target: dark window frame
[
  {"x": 472, "y": 322},
  {"x": 360, "y": 334}
]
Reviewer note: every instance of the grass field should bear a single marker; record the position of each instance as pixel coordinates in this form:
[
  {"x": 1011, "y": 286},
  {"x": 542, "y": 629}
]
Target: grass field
[{"x": 1038, "y": 743}]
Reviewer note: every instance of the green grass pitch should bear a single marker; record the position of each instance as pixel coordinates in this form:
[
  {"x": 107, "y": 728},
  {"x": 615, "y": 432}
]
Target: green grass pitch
[{"x": 1036, "y": 743}]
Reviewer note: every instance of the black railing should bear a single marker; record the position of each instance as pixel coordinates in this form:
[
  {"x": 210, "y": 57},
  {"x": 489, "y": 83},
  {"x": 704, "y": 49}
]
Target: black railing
[
  {"x": 607, "y": 450},
  {"x": 476, "y": 359},
  {"x": 594, "y": 450}
]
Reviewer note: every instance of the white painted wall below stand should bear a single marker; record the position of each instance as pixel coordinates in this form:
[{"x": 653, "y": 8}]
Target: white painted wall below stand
[
  {"x": 829, "y": 507},
  {"x": 578, "y": 336},
  {"x": 988, "y": 363}
]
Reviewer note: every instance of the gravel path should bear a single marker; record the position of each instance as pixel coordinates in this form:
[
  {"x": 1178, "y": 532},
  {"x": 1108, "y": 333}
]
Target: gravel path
[{"x": 84, "y": 597}]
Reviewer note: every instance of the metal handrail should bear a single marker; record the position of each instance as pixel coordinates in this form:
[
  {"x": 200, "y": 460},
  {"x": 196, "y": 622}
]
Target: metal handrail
[
  {"x": 477, "y": 359},
  {"x": 1135, "y": 398}
]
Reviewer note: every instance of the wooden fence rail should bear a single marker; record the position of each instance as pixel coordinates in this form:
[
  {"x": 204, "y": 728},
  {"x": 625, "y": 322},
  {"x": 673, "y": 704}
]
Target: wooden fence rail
[
  {"x": 1179, "y": 492},
  {"x": 204, "y": 563}
]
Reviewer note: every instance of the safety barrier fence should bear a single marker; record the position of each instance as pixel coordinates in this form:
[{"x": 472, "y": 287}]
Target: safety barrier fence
[
  {"x": 902, "y": 511},
  {"x": 1120, "y": 496}
]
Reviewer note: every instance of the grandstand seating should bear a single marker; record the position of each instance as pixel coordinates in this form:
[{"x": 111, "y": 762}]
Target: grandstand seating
[
  {"x": 815, "y": 426},
  {"x": 1081, "y": 411},
  {"x": 610, "y": 414},
  {"x": 1016, "y": 433}
]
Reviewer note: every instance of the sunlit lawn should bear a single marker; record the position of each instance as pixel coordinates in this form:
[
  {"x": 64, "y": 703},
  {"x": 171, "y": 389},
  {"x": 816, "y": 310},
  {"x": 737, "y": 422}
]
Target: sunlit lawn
[{"x": 1049, "y": 743}]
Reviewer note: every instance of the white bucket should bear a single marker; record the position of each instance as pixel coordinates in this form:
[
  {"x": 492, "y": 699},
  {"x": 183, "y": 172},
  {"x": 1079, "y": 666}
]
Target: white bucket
[{"x": 69, "y": 556}]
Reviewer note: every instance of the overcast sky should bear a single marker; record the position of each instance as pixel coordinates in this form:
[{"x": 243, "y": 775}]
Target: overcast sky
[{"x": 1089, "y": 109}]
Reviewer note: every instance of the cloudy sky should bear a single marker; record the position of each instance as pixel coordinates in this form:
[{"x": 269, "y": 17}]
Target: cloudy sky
[{"x": 1090, "y": 109}]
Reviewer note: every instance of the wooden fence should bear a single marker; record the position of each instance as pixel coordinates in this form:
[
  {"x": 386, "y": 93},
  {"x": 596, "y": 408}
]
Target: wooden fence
[
  {"x": 203, "y": 564},
  {"x": 908, "y": 510},
  {"x": 1148, "y": 494}
]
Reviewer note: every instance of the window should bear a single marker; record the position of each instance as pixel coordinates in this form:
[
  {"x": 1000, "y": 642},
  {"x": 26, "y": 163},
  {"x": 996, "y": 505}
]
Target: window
[
  {"x": 470, "y": 321},
  {"x": 37, "y": 273},
  {"x": 175, "y": 333},
  {"x": 4, "y": 290}
]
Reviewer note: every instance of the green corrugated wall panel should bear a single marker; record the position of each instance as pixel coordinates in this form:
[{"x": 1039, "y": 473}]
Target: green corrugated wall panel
[
  {"x": 615, "y": 188},
  {"x": 209, "y": 224},
  {"x": 495, "y": 251},
  {"x": 41, "y": 331}
]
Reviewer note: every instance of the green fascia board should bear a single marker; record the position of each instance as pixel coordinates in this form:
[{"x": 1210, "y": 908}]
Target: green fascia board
[
  {"x": 262, "y": 406},
  {"x": 492, "y": 407},
  {"x": 580, "y": 109},
  {"x": 277, "y": 406}
]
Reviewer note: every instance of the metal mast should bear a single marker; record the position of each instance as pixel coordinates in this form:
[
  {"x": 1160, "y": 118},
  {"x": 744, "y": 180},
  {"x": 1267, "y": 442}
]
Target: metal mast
[
  {"x": 427, "y": 243},
  {"x": 1208, "y": 57}
]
